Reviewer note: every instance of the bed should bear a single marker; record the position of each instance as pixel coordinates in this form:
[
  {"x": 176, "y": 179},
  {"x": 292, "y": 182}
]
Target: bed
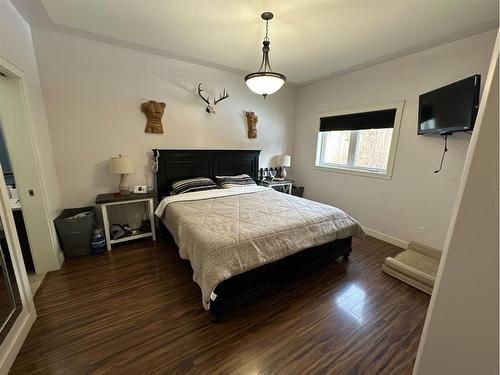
[{"x": 247, "y": 241}]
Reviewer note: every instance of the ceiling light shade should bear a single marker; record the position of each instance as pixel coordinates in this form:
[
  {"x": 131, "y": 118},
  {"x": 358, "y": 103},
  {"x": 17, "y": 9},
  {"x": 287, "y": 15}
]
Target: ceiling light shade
[{"x": 265, "y": 82}]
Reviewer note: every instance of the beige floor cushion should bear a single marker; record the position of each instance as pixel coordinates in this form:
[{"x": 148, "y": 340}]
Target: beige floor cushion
[{"x": 416, "y": 266}]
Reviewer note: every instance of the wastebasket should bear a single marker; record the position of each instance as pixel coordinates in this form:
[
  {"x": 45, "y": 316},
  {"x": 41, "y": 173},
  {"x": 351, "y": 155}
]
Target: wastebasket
[
  {"x": 75, "y": 227},
  {"x": 298, "y": 191}
]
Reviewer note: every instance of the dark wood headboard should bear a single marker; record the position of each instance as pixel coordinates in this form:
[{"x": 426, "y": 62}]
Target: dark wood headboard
[{"x": 177, "y": 164}]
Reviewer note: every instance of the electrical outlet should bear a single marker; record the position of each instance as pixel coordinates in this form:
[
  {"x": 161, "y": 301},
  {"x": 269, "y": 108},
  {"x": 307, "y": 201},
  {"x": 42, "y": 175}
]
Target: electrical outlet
[{"x": 421, "y": 231}]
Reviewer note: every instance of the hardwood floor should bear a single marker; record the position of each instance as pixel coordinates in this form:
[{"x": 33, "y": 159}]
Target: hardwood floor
[{"x": 137, "y": 310}]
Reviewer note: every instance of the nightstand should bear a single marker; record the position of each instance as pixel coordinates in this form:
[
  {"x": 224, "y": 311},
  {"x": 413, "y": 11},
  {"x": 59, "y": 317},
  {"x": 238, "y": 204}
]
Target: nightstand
[
  {"x": 107, "y": 200},
  {"x": 284, "y": 186}
]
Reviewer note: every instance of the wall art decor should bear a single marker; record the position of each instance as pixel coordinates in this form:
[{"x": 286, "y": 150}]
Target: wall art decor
[
  {"x": 211, "y": 106},
  {"x": 154, "y": 112},
  {"x": 252, "y": 120}
]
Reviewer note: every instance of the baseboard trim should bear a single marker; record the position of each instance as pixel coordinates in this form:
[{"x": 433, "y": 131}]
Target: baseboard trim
[
  {"x": 386, "y": 238},
  {"x": 60, "y": 258}
]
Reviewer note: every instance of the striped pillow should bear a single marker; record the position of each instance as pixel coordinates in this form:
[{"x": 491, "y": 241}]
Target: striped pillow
[
  {"x": 193, "y": 184},
  {"x": 227, "y": 182}
]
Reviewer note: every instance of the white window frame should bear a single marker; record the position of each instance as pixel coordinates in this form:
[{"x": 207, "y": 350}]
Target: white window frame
[{"x": 369, "y": 172}]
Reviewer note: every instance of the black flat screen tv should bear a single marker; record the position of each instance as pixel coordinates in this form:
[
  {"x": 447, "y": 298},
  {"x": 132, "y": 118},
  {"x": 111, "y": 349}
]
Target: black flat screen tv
[{"x": 450, "y": 108}]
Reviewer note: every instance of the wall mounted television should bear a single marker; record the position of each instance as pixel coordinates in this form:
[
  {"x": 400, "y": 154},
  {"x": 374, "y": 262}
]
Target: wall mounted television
[{"x": 450, "y": 108}]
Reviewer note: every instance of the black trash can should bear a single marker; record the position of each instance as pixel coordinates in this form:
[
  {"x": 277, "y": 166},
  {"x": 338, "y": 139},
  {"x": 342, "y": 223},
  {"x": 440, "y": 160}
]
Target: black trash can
[
  {"x": 74, "y": 228},
  {"x": 298, "y": 191}
]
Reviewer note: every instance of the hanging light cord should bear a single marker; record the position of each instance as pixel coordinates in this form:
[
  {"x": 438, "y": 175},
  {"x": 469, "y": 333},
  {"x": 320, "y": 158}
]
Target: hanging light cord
[
  {"x": 445, "y": 136},
  {"x": 267, "y": 31}
]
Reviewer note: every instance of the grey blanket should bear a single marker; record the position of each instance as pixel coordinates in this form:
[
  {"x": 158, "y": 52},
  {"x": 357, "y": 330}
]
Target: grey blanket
[{"x": 225, "y": 233}]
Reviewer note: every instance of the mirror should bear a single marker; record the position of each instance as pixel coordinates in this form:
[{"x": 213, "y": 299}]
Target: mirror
[{"x": 10, "y": 301}]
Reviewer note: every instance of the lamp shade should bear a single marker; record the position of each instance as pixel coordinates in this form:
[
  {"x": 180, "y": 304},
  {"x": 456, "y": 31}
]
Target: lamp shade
[
  {"x": 285, "y": 160},
  {"x": 120, "y": 165}
]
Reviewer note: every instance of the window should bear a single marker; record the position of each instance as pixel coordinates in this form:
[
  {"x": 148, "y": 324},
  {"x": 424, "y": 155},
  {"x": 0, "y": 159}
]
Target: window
[{"x": 359, "y": 141}]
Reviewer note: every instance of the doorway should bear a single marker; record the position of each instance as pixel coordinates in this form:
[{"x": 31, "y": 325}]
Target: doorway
[{"x": 29, "y": 189}]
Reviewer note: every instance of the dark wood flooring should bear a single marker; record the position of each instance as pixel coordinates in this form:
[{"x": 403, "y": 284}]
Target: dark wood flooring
[{"x": 137, "y": 310}]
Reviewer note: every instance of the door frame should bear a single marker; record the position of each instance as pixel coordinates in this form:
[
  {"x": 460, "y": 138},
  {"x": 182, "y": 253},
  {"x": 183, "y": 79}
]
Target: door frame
[
  {"x": 12, "y": 343},
  {"x": 10, "y": 346},
  {"x": 45, "y": 249}
]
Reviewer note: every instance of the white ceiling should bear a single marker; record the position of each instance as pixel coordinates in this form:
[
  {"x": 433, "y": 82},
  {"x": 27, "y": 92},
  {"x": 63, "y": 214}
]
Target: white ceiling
[{"x": 310, "y": 39}]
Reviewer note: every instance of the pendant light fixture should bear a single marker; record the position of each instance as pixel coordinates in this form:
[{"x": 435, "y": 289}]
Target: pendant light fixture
[{"x": 265, "y": 82}]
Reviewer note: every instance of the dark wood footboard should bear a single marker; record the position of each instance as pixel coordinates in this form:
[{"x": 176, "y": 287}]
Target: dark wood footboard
[{"x": 242, "y": 289}]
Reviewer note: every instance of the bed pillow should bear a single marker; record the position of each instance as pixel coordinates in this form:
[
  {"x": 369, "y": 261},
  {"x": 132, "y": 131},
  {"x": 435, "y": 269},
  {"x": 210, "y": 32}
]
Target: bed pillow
[
  {"x": 193, "y": 184},
  {"x": 227, "y": 182}
]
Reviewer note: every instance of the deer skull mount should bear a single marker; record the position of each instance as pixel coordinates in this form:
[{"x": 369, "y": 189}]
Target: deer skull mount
[{"x": 211, "y": 106}]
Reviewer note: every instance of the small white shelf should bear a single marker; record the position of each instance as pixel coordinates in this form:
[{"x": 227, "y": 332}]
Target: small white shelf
[
  {"x": 132, "y": 237},
  {"x": 128, "y": 199},
  {"x": 285, "y": 184}
]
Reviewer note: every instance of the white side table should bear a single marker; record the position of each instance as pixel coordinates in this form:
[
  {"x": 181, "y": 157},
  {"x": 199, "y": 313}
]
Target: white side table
[
  {"x": 106, "y": 200},
  {"x": 285, "y": 185}
]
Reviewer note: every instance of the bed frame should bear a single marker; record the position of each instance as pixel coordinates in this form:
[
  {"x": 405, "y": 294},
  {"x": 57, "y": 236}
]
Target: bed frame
[{"x": 173, "y": 165}]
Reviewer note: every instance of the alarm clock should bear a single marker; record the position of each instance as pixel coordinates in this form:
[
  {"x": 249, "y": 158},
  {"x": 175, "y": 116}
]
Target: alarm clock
[{"x": 140, "y": 189}]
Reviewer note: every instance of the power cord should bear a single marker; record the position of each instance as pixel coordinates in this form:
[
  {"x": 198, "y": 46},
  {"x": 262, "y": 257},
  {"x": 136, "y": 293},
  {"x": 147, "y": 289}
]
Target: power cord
[{"x": 445, "y": 137}]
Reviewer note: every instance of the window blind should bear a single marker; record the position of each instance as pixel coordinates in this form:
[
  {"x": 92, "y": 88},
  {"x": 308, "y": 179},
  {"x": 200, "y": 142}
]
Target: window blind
[{"x": 381, "y": 119}]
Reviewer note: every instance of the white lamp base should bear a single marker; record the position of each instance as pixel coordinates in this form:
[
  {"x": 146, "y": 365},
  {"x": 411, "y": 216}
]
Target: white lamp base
[
  {"x": 124, "y": 186},
  {"x": 283, "y": 172}
]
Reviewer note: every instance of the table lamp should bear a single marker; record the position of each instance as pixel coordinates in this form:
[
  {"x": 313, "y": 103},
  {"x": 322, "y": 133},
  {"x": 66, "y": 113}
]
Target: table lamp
[
  {"x": 121, "y": 165},
  {"x": 284, "y": 161}
]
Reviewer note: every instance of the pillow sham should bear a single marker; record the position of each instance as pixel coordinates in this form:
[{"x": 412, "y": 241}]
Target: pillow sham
[
  {"x": 193, "y": 184},
  {"x": 227, "y": 182}
]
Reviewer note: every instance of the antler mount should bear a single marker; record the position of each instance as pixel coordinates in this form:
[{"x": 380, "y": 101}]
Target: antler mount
[{"x": 211, "y": 106}]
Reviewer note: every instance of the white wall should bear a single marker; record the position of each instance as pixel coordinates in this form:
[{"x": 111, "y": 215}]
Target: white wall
[
  {"x": 461, "y": 330},
  {"x": 93, "y": 92},
  {"x": 16, "y": 46},
  {"x": 415, "y": 196}
]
